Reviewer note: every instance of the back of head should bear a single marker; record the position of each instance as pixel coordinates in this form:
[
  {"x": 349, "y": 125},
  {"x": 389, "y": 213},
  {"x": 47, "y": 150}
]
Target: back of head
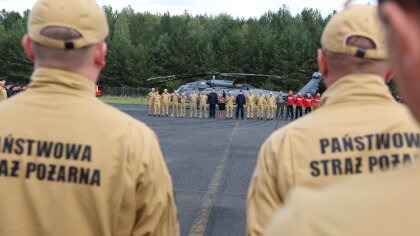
[
  {"x": 78, "y": 130},
  {"x": 353, "y": 42},
  {"x": 63, "y": 31}
]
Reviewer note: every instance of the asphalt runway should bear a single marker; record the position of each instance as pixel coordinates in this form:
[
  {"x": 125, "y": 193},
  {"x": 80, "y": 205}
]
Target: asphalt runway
[{"x": 211, "y": 162}]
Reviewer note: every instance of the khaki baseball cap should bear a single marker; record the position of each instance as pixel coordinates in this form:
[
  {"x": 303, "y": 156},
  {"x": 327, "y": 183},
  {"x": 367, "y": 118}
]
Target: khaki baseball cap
[
  {"x": 356, "y": 20},
  {"x": 84, "y": 16}
]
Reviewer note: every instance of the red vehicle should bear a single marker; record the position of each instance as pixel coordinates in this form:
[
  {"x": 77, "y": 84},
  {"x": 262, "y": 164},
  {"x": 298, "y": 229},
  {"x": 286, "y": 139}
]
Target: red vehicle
[{"x": 98, "y": 91}]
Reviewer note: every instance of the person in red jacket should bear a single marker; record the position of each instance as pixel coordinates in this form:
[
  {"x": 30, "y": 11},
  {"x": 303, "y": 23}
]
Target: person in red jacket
[
  {"x": 290, "y": 103},
  {"x": 299, "y": 103},
  {"x": 317, "y": 101},
  {"x": 308, "y": 103}
]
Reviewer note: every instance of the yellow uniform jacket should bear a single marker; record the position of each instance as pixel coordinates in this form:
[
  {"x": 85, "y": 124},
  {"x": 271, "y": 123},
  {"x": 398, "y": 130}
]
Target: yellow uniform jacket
[
  {"x": 157, "y": 99},
  {"x": 385, "y": 205},
  {"x": 71, "y": 165},
  {"x": 165, "y": 97},
  {"x": 250, "y": 99},
  {"x": 175, "y": 98},
  {"x": 3, "y": 94},
  {"x": 261, "y": 100},
  {"x": 271, "y": 102},
  {"x": 358, "y": 130},
  {"x": 203, "y": 99},
  {"x": 193, "y": 98},
  {"x": 229, "y": 100},
  {"x": 150, "y": 97}
]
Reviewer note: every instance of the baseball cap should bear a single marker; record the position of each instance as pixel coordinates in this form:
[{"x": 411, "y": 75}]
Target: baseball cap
[
  {"x": 356, "y": 20},
  {"x": 83, "y": 16}
]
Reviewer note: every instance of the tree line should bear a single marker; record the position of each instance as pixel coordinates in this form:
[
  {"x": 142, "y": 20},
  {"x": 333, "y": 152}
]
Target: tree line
[{"x": 145, "y": 45}]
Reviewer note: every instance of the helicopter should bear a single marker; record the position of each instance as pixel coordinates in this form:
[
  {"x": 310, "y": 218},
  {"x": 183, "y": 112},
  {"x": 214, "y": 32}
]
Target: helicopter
[{"x": 232, "y": 86}]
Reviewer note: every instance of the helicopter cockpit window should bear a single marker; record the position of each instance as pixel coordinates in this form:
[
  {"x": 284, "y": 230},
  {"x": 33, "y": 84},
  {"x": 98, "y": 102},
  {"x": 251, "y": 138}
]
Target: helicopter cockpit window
[
  {"x": 248, "y": 87},
  {"x": 202, "y": 86},
  {"x": 181, "y": 89}
]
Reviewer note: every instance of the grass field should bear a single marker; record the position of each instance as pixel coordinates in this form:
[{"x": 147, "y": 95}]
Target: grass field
[{"x": 124, "y": 100}]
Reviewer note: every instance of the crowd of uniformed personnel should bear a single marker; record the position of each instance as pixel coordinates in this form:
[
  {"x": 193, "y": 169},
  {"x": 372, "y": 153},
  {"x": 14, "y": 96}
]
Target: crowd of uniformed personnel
[
  {"x": 117, "y": 183},
  {"x": 275, "y": 107}
]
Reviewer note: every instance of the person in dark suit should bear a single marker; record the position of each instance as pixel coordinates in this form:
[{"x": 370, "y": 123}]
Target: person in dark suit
[
  {"x": 240, "y": 102},
  {"x": 212, "y": 100}
]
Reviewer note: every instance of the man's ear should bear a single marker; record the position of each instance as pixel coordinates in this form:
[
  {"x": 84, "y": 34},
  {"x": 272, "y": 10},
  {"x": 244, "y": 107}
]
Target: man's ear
[
  {"x": 323, "y": 65},
  {"x": 389, "y": 76},
  {"x": 27, "y": 47},
  {"x": 322, "y": 62},
  {"x": 100, "y": 55}
]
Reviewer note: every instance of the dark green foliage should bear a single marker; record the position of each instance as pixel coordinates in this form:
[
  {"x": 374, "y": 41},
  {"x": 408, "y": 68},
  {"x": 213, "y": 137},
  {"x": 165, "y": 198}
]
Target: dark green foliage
[
  {"x": 14, "y": 64},
  {"x": 144, "y": 45}
]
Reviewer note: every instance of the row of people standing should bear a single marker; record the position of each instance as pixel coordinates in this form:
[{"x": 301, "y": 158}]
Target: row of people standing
[
  {"x": 300, "y": 102},
  {"x": 159, "y": 104}
]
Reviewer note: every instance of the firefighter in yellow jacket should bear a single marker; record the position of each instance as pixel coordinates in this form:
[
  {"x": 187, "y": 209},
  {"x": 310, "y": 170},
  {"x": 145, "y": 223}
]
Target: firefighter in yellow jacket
[
  {"x": 261, "y": 102},
  {"x": 157, "y": 103},
  {"x": 229, "y": 105},
  {"x": 3, "y": 92},
  {"x": 166, "y": 97},
  {"x": 271, "y": 105},
  {"x": 250, "y": 102},
  {"x": 82, "y": 167},
  {"x": 175, "y": 104},
  {"x": 182, "y": 104},
  {"x": 333, "y": 144},
  {"x": 151, "y": 100},
  {"x": 383, "y": 205},
  {"x": 193, "y": 104},
  {"x": 203, "y": 104}
]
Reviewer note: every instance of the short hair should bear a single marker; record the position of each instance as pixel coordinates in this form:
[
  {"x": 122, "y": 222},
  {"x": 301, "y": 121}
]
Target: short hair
[{"x": 67, "y": 58}]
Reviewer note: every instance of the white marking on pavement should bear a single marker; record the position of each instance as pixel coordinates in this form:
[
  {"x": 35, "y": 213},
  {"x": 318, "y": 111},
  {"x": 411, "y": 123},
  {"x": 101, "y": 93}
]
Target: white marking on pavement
[{"x": 200, "y": 223}]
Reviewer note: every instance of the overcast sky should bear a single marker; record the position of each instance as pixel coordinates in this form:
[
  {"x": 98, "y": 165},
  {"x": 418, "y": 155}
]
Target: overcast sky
[{"x": 236, "y": 8}]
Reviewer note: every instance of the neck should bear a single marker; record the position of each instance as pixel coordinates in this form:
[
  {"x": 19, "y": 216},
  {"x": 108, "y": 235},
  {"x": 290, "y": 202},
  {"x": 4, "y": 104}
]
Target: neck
[
  {"x": 337, "y": 75},
  {"x": 89, "y": 73}
]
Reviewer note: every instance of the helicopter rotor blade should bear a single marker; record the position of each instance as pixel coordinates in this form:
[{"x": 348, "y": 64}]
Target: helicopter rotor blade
[{"x": 246, "y": 76}]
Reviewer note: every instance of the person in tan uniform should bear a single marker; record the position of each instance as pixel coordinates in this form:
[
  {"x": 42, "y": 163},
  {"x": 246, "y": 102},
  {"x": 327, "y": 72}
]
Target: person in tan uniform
[
  {"x": 261, "y": 102},
  {"x": 250, "y": 102},
  {"x": 229, "y": 105},
  {"x": 203, "y": 104},
  {"x": 271, "y": 105},
  {"x": 193, "y": 104},
  {"x": 386, "y": 204},
  {"x": 151, "y": 100},
  {"x": 157, "y": 101},
  {"x": 166, "y": 97},
  {"x": 175, "y": 104},
  {"x": 332, "y": 143},
  {"x": 77, "y": 166},
  {"x": 182, "y": 105},
  {"x": 3, "y": 92}
]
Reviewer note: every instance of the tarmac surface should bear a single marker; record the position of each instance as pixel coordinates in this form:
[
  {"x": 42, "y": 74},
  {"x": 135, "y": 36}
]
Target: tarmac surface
[{"x": 211, "y": 162}]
